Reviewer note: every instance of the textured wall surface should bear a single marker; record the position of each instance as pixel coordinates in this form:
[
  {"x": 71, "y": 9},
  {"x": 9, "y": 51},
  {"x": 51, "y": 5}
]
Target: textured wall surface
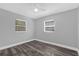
[
  {"x": 8, "y": 35},
  {"x": 65, "y": 31}
]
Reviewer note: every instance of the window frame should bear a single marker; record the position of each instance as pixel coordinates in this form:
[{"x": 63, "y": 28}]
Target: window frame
[
  {"x": 21, "y": 26},
  {"x": 49, "y": 25}
]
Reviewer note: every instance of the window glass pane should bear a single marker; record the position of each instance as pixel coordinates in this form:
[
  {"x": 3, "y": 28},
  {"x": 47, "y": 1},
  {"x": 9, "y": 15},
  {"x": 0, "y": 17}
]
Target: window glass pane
[
  {"x": 49, "y": 28},
  {"x": 19, "y": 28},
  {"x": 20, "y": 23},
  {"x": 49, "y": 23}
]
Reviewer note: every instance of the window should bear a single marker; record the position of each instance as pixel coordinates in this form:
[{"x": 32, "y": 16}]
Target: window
[
  {"x": 49, "y": 25},
  {"x": 20, "y": 25}
]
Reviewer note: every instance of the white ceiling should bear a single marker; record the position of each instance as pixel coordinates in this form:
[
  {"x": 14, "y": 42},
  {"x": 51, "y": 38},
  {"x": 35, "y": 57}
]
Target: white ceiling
[{"x": 27, "y": 9}]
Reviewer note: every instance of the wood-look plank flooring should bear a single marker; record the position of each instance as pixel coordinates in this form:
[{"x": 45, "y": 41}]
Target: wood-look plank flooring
[{"x": 37, "y": 48}]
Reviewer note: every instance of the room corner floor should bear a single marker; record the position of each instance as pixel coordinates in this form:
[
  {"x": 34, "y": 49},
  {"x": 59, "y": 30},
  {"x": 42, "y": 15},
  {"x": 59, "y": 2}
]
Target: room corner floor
[{"x": 37, "y": 48}]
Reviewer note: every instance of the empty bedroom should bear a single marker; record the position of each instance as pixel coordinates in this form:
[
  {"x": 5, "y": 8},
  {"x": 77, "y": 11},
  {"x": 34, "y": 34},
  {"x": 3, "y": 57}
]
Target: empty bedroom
[{"x": 39, "y": 29}]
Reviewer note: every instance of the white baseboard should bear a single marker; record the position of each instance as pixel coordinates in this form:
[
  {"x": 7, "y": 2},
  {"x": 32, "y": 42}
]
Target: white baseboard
[
  {"x": 15, "y": 44},
  {"x": 60, "y": 45}
]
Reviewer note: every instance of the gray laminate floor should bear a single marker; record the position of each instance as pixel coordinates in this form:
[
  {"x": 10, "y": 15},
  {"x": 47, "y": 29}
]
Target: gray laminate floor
[{"x": 37, "y": 48}]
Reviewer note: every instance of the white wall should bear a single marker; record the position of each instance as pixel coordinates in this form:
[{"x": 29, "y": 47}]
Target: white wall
[
  {"x": 8, "y": 35},
  {"x": 66, "y": 28}
]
